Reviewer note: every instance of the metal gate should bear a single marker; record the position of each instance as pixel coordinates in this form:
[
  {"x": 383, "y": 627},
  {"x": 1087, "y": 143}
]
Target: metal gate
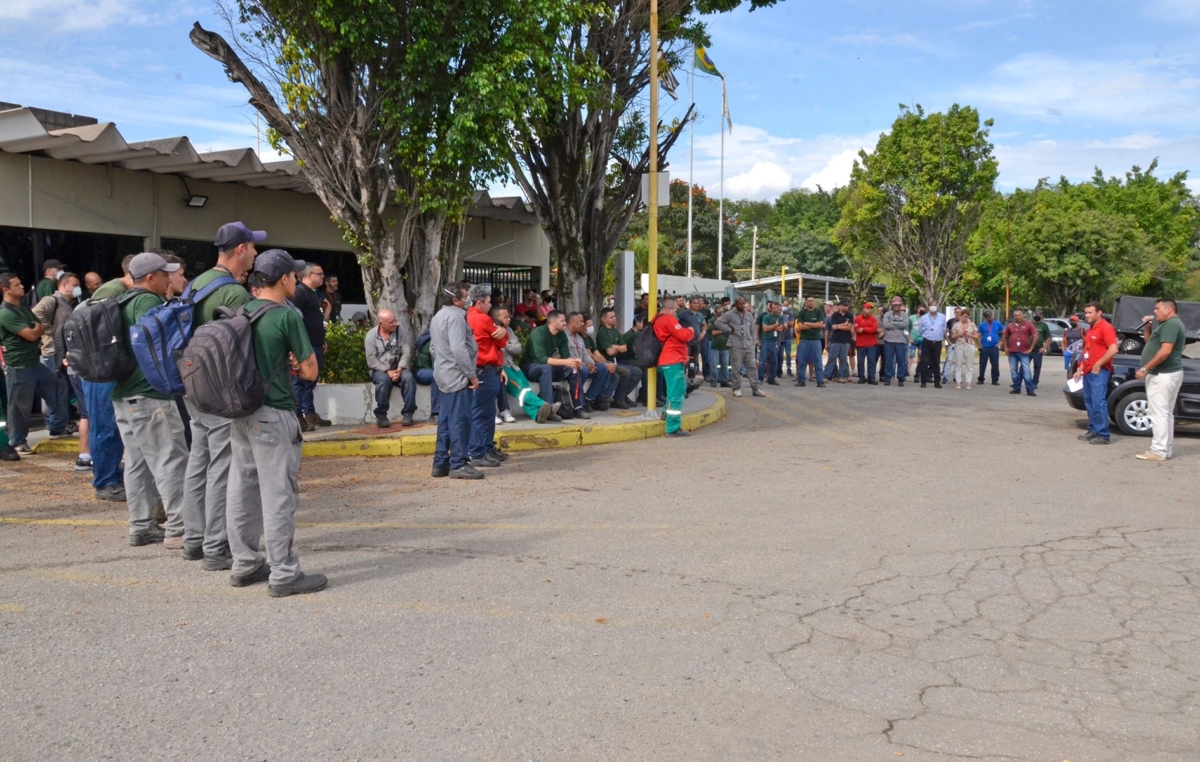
[{"x": 506, "y": 279}]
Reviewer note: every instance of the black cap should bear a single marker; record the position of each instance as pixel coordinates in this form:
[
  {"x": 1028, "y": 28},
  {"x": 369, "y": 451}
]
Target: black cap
[
  {"x": 51, "y": 263},
  {"x": 276, "y": 263},
  {"x": 233, "y": 234}
]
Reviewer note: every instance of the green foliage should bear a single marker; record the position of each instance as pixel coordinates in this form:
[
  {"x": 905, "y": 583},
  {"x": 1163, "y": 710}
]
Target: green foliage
[
  {"x": 794, "y": 231},
  {"x": 1063, "y": 245},
  {"x": 345, "y": 360},
  {"x": 672, "y": 233},
  {"x": 916, "y": 199}
]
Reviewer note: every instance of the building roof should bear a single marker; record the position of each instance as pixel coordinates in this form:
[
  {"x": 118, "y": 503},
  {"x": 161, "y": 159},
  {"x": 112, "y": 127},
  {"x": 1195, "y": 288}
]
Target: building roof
[{"x": 25, "y": 130}]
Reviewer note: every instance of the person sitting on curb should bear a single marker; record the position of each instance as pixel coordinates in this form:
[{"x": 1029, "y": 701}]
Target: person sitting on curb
[
  {"x": 595, "y": 398},
  {"x": 389, "y": 360},
  {"x": 612, "y": 347},
  {"x": 515, "y": 383},
  {"x": 548, "y": 358}
]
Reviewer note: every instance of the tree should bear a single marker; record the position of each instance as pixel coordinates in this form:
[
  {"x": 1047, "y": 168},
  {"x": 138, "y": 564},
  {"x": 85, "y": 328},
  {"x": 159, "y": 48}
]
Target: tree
[
  {"x": 580, "y": 162},
  {"x": 672, "y": 232},
  {"x": 917, "y": 198},
  {"x": 396, "y": 110}
]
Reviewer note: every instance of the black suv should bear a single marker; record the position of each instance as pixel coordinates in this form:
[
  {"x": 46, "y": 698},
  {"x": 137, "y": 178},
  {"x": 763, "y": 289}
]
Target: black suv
[{"x": 1127, "y": 395}]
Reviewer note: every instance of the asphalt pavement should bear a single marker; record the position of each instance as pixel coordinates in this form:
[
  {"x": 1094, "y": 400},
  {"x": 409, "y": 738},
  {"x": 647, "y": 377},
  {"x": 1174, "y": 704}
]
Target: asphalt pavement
[{"x": 850, "y": 573}]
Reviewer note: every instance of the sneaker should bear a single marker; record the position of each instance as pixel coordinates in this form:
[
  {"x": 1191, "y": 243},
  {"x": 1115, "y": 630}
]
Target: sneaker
[
  {"x": 508, "y": 417},
  {"x": 587, "y": 407},
  {"x": 772, "y": 382},
  {"x": 1014, "y": 391},
  {"x": 192, "y": 554},
  {"x": 499, "y": 420},
  {"x": 602, "y": 405},
  {"x": 261, "y": 574},
  {"x": 1085, "y": 436},
  {"x": 485, "y": 462},
  {"x": 994, "y": 383},
  {"x": 24, "y": 449},
  {"x": 872, "y": 382},
  {"x": 678, "y": 433},
  {"x": 303, "y": 583},
  {"x": 622, "y": 405},
  {"x": 798, "y": 383},
  {"x": 383, "y": 422},
  {"x": 900, "y": 382},
  {"x": 466, "y": 472},
  {"x": 888, "y": 382},
  {"x": 113, "y": 493},
  {"x": 153, "y": 537},
  {"x": 737, "y": 392},
  {"x": 759, "y": 393},
  {"x": 9, "y": 453},
  {"x": 582, "y": 413},
  {"x": 406, "y": 419},
  {"x": 1099, "y": 440},
  {"x": 725, "y": 385},
  {"x": 497, "y": 455},
  {"x": 553, "y": 418},
  {"x": 1151, "y": 455},
  {"x": 438, "y": 473},
  {"x": 60, "y": 435},
  {"x": 223, "y": 562},
  {"x": 83, "y": 464},
  {"x": 173, "y": 543},
  {"x": 820, "y": 384}
]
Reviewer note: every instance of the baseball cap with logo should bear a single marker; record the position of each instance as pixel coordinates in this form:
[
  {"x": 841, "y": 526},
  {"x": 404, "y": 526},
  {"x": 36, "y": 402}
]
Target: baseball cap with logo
[
  {"x": 233, "y": 234},
  {"x": 148, "y": 262},
  {"x": 276, "y": 263}
]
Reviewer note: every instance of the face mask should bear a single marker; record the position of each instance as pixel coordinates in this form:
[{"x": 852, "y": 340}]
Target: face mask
[
  {"x": 933, "y": 308},
  {"x": 1037, "y": 318},
  {"x": 591, "y": 330},
  {"x": 77, "y": 292}
]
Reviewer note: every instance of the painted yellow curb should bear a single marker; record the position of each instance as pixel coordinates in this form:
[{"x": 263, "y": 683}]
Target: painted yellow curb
[{"x": 573, "y": 435}]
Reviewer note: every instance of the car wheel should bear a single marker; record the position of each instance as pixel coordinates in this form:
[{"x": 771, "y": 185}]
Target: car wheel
[
  {"x": 1133, "y": 415},
  {"x": 1132, "y": 346}
]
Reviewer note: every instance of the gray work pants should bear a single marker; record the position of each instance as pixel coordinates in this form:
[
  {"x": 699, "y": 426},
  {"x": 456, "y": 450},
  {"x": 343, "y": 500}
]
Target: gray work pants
[
  {"x": 264, "y": 489},
  {"x": 207, "y": 482},
  {"x": 155, "y": 461},
  {"x": 743, "y": 357}
]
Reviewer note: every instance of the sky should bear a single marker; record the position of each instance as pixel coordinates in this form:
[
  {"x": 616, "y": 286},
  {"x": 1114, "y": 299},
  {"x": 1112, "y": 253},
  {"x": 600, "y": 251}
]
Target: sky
[{"x": 1070, "y": 85}]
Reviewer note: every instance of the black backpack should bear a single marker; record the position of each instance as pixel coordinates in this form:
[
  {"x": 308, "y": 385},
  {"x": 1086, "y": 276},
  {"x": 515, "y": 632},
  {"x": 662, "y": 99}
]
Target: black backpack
[
  {"x": 646, "y": 348},
  {"x": 94, "y": 337},
  {"x": 219, "y": 372}
]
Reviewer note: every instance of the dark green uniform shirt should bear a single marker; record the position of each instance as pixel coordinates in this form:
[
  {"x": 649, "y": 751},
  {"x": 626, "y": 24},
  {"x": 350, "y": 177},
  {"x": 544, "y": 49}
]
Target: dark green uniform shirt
[
  {"x": 768, "y": 320},
  {"x": 110, "y": 290},
  {"x": 45, "y": 287},
  {"x": 18, "y": 352},
  {"x": 605, "y": 338},
  {"x": 810, "y": 316},
  {"x": 1043, "y": 334},
  {"x": 136, "y": 385},
  {"x": 277, "y": 333},
  {"x": 1168, "y": 332},
  {"x": 543, "y": 345},
  {"x": 627, "y": 339},
  {"x": 232, "y": 296}
]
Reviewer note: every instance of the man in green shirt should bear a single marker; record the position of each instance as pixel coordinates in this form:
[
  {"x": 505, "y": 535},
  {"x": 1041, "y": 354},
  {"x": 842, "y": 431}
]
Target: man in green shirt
[
  {"x": 265, "y": 476},
  {"x": 547, "y": 356},
  {"x": 26, "y": 376},
  {"x": 49, "y": 283},
  {"x": 1162, "y": 367},
  {"x": 611, "y": 345},
  {"x": 149, "y": 422},
  {"x": 1040, "y": 344},
  {"x": 810, "y": 322},
  {"x": 206, "y": 482},
  {"x": 770, "y": 326}
]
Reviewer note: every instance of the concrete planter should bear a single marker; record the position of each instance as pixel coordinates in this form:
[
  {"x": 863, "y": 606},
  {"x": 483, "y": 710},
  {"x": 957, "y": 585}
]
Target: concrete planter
[{"x": 350, "y": 404}]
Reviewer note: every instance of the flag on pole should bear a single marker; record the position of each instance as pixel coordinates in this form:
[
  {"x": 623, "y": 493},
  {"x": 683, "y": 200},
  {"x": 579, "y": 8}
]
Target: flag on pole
[
  {"x": 704, "y": 64},
  {"x": 666, "y": 77},
  {"x": 725, "y": 105}
]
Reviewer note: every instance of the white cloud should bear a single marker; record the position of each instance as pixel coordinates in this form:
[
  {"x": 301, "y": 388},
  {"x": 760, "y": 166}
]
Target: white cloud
[
  {"x": 75, "y": 15},
  {"x": 1053, "y": 89},
  {"x": 835, "y": 173},
  {"x": 765, "y": 178},
  {"x": 1022, "y": 165}
]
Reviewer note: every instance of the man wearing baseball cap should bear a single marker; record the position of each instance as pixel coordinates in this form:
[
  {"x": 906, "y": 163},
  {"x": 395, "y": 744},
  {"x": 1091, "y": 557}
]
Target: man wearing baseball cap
[
  {"x": 149, "y": 422},
  {"x": 264, "y": 475},
  {"x": 207, "y": 481},
  {"x": 866, "y": 341},
  {"x": 48, "y": 284}
]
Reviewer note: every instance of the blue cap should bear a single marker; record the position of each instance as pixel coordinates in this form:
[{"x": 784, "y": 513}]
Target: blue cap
[
  {"x": 276, "y": 263},
  {"x": 233, "y": 234}
]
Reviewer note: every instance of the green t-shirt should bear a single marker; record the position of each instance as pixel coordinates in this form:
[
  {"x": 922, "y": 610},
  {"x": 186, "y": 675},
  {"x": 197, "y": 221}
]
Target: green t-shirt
[
  {"x": 137, "y": 385},
  {"x": 627, "y": 339},
  {"x": 720, "y": 342},
  {"x": 543, "y": 345},
  {"x": 232, "y": 296},
  {"x": 110, "y": 290},
  {"x": 913, "y": 321},
  {"x": 1169, "y": 332},
  {"x": 768, "y": 320},
  {"x": 607, "y": 337},
  {"x": 44, "y": 288},
  {"x": 706, "y": 313},
  {"x": 811, "y": 316},
  {"x": 277, "y": 333},
  {"x": 18, "y": 352},
  {"x": 1043, "y": 334}
]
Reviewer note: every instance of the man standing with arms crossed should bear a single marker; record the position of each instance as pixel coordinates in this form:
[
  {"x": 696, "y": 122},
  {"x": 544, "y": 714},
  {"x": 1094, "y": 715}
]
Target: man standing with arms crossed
[
  {"x": 1095, "y": 368},
  {"x": 206, "y": 482},
  {"x": 932, "y": 327},
  {"x": 454, "y": 352},
  {"x": 264, "y": 483},
  {"x": 308, "y": 300},
  {"x": 490, "y": 340},
  {"x": 21, "y": 335},
  {"x": 989, "y": 347},
  {"x": 810, "y": 322},
  {"x": 893, "y": 326},
  {"x": 1162, "y": 367}
]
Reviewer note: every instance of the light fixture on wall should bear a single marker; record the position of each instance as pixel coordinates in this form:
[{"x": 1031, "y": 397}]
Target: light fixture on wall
[{"x": 193, "y": 201}]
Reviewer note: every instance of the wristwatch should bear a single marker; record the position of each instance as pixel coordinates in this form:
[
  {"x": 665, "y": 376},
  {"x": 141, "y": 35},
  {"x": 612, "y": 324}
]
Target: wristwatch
[{"x": 1142, "y": 369}]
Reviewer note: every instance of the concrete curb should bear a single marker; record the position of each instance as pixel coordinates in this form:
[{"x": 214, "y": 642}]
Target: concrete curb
[{"x": 570, "y": 435}]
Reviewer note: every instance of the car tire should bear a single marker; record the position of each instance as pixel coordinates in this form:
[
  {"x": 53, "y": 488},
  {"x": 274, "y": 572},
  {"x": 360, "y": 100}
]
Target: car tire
[
  {"x": 1132, "y": 346},
  {"x": 1132, "y": 415}
]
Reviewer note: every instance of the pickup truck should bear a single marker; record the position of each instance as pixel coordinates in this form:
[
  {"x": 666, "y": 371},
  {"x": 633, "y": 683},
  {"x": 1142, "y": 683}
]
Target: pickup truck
[{"x": 1127, "y": 406}]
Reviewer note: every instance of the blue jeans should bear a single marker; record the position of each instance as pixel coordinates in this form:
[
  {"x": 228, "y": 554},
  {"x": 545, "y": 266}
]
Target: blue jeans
[
  {"x": 453, "y": 429},
  {"x": 1095, "y": 398},
  {"x": 601, "y": 379},
  {"x": 989, "y": 355},
  {"x": 23, "y": 384},
  {"x": 706, "y": 356},
  {"x": 785, "y": 353},
  {"x": 895, "y": 361},
  {"x": 839, "y": 360},
  {"x": 720, "y": 359},
  {"x": 383, "y": 392},
  {"x": 304, "y": 389},
  {"x": 768, "y": 360},
  {"x": 424, "y": 376},
  {"x": 809, "y": 353},
  {"x": 104, "y": 440},
  {"x": 1018, "y": 366},
  {"x": 1036, "y": 361},
  {"x": 868, "y": 359},
  {"x": 58, "y": 418},
  {"x": 483, "y": 410},
  {"x": 545, "y": 376}
]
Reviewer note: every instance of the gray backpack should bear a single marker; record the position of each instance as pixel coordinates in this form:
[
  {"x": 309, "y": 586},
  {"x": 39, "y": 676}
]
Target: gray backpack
[{"x": 220, "y": 375}]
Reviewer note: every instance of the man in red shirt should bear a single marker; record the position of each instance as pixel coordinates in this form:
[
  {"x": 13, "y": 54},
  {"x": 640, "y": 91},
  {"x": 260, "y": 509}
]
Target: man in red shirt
[
  {"x": 672, "y": 361},
  {"x": 491, "y": 340},
  {"x": 866, "y": 342},
  {"x": 1017, "y": 342},
  {"x": 1095, "y": 368}
]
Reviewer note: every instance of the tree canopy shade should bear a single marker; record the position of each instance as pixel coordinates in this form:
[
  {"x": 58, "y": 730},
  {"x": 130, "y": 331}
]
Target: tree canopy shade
[
  {"x": 914, "y": 201},
  {"x": 580, "y": 161},
  {"x": 1064, "y": 245},
  {"x": 397, "y": 110}
]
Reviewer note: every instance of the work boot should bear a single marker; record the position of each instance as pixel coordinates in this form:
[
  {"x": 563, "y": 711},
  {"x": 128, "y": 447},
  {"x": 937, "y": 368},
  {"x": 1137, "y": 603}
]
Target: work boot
[
  {"x": 485, "y": 462},
  {"x": 9, "y": 453},
  {"x": 438, "y": 473},
  {"x": 316, "y": 420},
  {"x": 303, "y": 583},
  {"x": 678, "y": 433},
  {"x": 153, "y": 537},
  {"x": 382, "y": 422},
  {"x": 544, "y": 412},
  {"x": 261, "y": 574},
  {"x": 223, "y": 562},
  {"x": 466, "y": 472},
  {"x": 304, "y": 424},
  {"x": 192, "y": 554},
  {"x": 113, "y": 493},
  {"x": 495, "y": 454},
  {"x": 406, "y": 419},
  {"x": 759, "y": 393}
]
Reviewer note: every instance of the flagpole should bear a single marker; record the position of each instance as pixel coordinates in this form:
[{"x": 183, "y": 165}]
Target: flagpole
[
  {"x": 721, "y": 208},
  {"x": 652, "y": 206},
  {"x": 691, "y": 158}
]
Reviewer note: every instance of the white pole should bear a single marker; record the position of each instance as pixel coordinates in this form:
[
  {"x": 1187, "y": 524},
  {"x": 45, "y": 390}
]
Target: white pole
[
  {"x": 691, "y": 160},
  {"x": 754, "y": 256},
  {"x": 721, "y": 209}
]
